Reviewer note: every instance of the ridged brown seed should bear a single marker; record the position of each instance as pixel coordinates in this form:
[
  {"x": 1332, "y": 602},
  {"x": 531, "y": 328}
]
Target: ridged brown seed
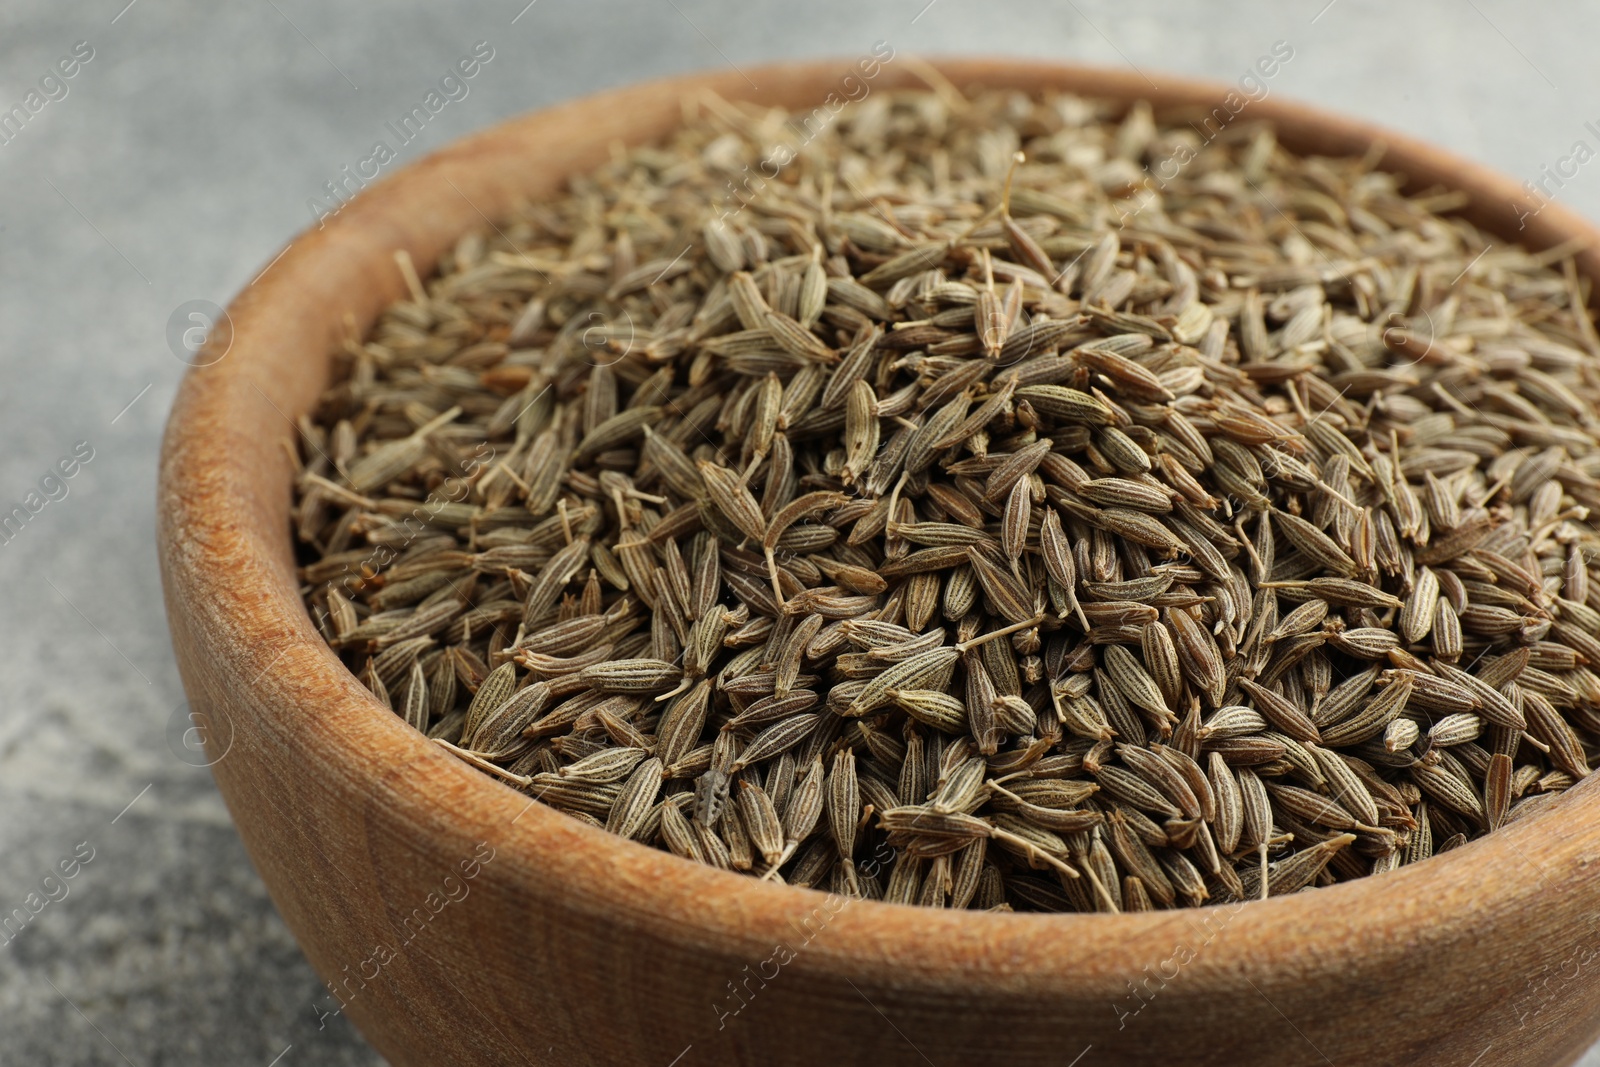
[
  {"x": 1365, "y": 642},
  {"x": 712, "y": 846},
  {"x": 1492, "y": 704},
  {"x": 499, "y": 734},
  {"x": 1545, "y": 723},
  {"x": 1198, "y": 655},
  {"x": 1454, "y": 730},
  {"x": 1016, "y": 519},
  {"x": 1313, "y": 807},
  {"x": 747, "y": 300},
  {"x": 850, "y": 369},
  {"x": 677, "y": 833},
  {"x": 1437, "y": 694},
  {"x": 787, "y": 668},
  {"x": 981, "y": 707},
  {"x": 1302, "y": 620},
  {"x": 1232, "y": 720},
  {"x": 1009, "y": 596},
  {"x": 741, "y": 856},
  {"x": 1161, "y": 660},
  {"x": 604, "y": 767},
  {"x": 1229, "y": 823},
  {"x": 631, "y": 676},
  {"x": 1014, "y": 467},
  {"x": 905, "y": 264},
  {"x": 928, "y": 669},
  {"x": 960, "y": 593},
  {"x": 805, "y": 804},
  {"x": 388, "y": 461},
  {"x": 1447, "y": 786},
  {"x": 1575, "y": 575},
  {"x": 1420, "y": 847},
  {"x": 1056, "y": 552},
  {"x": 991, "y": 408},
  {"x": 1345, "y": 785},
  {"x": 855, "y": 578},
  {"x": 1166, "y": 778},
  {"x": 962, "y": 789},
  {"x": 993, "y": 320},
  {"x": 1132, "y": 789},
  {"x": 1136, "y": 858},
  {"x": 926, "y": 832},
  {"x": 861, "y": 430},
  {"x": 414, "y": 704},
  {"x": 1134, "y": 682},
  {"x": 1013, "y": 715},
  {"x": 705, "y": 642},
  {"x": 843, "y": 802},
  {"x": 1179, "y": 758},
  {"x": 1146, "y": 530},
  {"x": 1420, "y": 609},
  {"x": 921, "y": 599},
  {"x": 617, "y": 430},
  {"x": 779, "y": 737},
  {"x": 1281, "y": 712},
  {"x": 1065, "y": 404},
  {"x": 1101, "y": 867},
  {"x": 1121, "y": 451},
  {"x": 1348, "y": 592},
  {"x": 761, "y": 821},
  {"x": 813, "y": 292},
  {"x": 733, "y": 499},
  {"x": 682, "y": 722},
  {"x": 1294, "y": 873},
  {"x": 1085, "y": 718},
  {"x": 1496, "y": 671},
  {"x": 1255, "y": 807},
  {"x": 1400, "y": 735},
  {"x": 552, "y": 578},
  {"x": 920, "y": 450},
  {"x": 770, "y": 709},
  {"x": 1123, "y": 493},
  {"x": 633, "y": 804},
  {"x": 1315, "y": 544},
  {"x": 495, "y": 691},
  {"x": 566, "y": 637},
  {"x": 1497, "y": 790}
]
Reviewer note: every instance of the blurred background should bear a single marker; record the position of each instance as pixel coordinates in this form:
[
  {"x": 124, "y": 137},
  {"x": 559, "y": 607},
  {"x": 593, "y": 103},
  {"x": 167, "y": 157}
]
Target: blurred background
[{"x": 167, "y": 171}]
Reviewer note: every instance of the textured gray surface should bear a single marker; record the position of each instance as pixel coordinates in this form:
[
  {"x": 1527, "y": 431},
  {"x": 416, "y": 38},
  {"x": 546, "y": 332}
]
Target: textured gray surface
[{"x": 178, "y": 163}]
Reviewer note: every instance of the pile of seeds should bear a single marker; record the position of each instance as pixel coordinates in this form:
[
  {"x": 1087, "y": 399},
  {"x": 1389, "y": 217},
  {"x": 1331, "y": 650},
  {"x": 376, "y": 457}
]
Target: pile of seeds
[{"x": 963, "y": 517}]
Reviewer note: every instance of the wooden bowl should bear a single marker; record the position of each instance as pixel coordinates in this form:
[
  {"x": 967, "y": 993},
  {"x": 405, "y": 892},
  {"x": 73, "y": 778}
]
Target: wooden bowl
[{"x": 461, "y": 924}]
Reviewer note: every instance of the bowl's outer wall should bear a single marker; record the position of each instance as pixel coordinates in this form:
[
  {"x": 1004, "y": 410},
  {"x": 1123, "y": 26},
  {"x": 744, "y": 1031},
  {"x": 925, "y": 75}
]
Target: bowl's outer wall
[{"x": 571, "y": 947}]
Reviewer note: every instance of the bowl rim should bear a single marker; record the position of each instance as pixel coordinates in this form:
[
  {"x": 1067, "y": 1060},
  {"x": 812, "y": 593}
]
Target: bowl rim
[{"x": 227, "y": 563}]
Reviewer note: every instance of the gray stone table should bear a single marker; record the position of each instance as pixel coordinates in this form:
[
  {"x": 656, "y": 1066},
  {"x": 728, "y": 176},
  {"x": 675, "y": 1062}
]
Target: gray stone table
[{"x": 180, "y": 159}]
